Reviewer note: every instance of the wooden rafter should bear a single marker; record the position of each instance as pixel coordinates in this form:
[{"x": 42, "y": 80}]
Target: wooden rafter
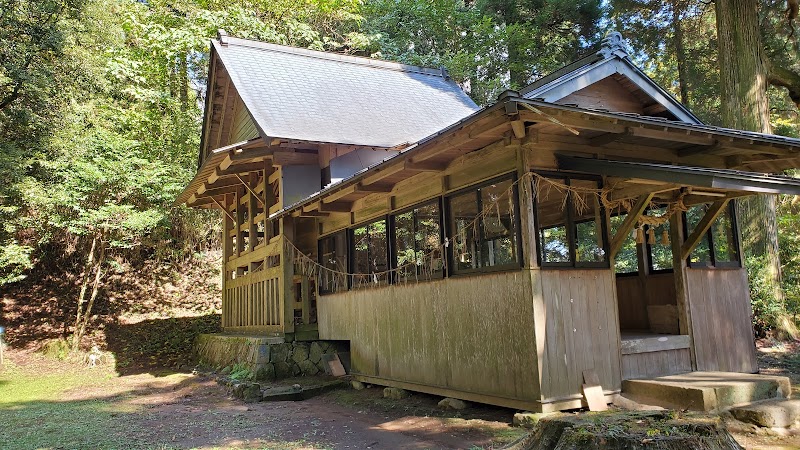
[
  {"x": 252, "y": 192},
  {"x": 699, "y": 231},
  {"x": 607, "y": 138},
  {"x": 630, "y": 221},
  {"x": 224, "y": 209}
]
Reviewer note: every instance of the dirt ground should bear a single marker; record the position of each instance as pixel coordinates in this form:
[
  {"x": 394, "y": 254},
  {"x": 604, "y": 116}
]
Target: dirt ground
[
  {"x": 95, "y": 408},
  {"x": 46, "y": 403}
]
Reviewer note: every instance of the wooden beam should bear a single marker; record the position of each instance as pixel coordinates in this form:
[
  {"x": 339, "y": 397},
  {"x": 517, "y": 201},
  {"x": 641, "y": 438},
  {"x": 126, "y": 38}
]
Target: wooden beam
[
  {"x": 220, "y": 183},
  {"x": 699, "y": 231},
  {"x": 498, "y": 123},
  {"x": 252, "y": 192},
  {"x": 698, "y": 149},
  {"x": 336, "y": 207},
  {"x": 571, "y": 121},
  {"x": 383, "y": 173},
  {"x": 518, "y": 127},
  {"x": 640, "y": 189},
  {"x": 629, "y": 222},
  {"x": 332, "y": 197},
  {"x": 383, "y": 188},
  {"x": 242, "y": 168},
  {"x": 607, "y": 138},
  {"x": 283, "y": 158},
  {"x": 310, "y": 214},
  {"x": 216, "y": 191},
  {"x": 426, "y": 166}
]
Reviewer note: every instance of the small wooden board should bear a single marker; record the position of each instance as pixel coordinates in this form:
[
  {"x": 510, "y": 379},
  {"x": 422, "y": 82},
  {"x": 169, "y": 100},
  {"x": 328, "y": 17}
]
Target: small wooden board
[
  {"x": 595, "y": 398},
  {"x": 333, "y": 366},
  {"x": 593, "y": 391}
]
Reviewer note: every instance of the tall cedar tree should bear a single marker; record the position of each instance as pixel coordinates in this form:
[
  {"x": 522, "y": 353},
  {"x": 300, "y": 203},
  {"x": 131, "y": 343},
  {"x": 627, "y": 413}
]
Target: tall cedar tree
[{"x": 745, "y": 105}]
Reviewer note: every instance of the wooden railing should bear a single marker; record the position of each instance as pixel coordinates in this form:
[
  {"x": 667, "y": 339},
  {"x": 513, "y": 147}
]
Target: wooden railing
[
  {"x": 254, "y": 302},
  {"x": 254, "y": 292}
]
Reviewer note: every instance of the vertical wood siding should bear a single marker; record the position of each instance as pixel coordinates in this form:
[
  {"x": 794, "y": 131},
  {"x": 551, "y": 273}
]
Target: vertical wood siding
[
  {"x": 719, "y": 302},
  {"x": 582, "y": 332},
  {"x": 472, "y": 334},
  {"x": 656, "y": 364},
  {"x": 253, "y": 302}
]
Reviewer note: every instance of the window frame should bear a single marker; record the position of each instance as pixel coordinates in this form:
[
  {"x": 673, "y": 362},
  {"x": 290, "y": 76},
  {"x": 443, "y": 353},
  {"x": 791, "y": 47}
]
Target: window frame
[
  {"x": 713, "y": 263},
  {"x": 449, "y": 224},
  {"x": 570, "y": 225},
  {"x": 351, "y": 253},
  {"x": 320, "y": 261},
  {"x": 392, "y": 227}
]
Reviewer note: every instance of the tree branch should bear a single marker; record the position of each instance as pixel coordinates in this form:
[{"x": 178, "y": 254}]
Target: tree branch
[{"x": 782, "y": 77}]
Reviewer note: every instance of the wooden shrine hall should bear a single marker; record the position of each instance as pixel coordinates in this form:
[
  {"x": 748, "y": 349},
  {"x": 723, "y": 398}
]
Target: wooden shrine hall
[{"x": 495, "y": 254}]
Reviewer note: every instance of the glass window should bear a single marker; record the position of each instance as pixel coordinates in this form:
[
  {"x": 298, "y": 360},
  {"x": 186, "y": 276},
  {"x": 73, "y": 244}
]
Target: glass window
[
  {"x": 723, "y": 236},
  {"x": 701, "y": 255},
  {"x": 719, "y": 246},
  {"x": 417, "y": 243},
  {"x": 551, "y": 204},
  {"x": 627, "y": 260},
  {"x": 333, "y": 255},
  {"x": 570, "y": 223},
  {"x": 491, "y": 241},
  {"x": 499, "y": 243},
  {"x": 661, "y": 252},
  {"x": 370, "y": 259},
  {"x": 588, "y": 222}
]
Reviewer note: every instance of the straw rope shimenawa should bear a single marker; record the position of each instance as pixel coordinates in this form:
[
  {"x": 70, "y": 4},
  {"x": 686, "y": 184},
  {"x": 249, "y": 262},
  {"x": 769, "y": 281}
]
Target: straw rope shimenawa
[{"x": 433, "y": 261}]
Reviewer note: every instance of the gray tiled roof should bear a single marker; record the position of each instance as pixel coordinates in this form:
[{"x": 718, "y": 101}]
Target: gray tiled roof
[{"x": 316, "y": 96}]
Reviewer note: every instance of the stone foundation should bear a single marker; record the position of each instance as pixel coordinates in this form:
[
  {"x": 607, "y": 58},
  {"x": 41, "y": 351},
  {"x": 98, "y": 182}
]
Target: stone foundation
[{"x": 268, "y": 358}]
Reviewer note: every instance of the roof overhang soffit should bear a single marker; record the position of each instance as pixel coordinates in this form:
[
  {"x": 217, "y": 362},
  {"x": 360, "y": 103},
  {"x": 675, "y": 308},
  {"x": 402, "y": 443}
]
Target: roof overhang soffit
[{"x": 697, "y": 177}]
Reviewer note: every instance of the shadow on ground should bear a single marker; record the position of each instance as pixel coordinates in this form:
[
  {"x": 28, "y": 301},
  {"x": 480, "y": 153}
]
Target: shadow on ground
[{"x": 152, "y": 345}]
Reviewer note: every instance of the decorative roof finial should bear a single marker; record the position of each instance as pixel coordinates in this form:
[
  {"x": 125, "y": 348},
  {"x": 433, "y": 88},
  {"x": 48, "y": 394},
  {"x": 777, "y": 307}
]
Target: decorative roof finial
[
  {"x": 221, "y": 36},
  {"x": 613, "y": 44}
]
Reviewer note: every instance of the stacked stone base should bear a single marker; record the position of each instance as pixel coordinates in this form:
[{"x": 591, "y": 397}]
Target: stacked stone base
[{"x": 268, "y": 358}]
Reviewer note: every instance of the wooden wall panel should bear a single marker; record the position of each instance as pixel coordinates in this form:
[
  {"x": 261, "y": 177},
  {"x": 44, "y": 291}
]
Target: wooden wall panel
[
  {"x": 719, "y": 302},
  {"x": 656, "y": 364},
  {"x": 472, "y": 334},
  {"x": 582, "y": 331},
  {"x": 631, "y": 303}
]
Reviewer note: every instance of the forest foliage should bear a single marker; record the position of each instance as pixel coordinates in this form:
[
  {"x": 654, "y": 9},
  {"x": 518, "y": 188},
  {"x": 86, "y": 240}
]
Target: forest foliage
[{"x": 101, "y": 100}]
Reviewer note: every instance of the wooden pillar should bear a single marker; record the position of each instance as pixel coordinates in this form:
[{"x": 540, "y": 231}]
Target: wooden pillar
[
  {"x": 287, "y": 231},
  {"x": 239, "y": 221},
  {"x": 227, "y": 251},
  {"x": 252, "y": 208},
  {"x": 676, "y": 236},
  {"x": 526, "y": 209}
]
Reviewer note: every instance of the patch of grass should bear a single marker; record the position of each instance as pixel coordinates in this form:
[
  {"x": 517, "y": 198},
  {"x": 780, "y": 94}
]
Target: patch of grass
[{"x": 34, "y": 415}]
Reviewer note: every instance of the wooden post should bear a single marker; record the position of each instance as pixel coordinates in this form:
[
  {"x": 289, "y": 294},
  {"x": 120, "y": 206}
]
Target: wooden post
[
  {"x": 252, "y": 207},
  {"x": 287, "y": 233},
  {"x": 305, "y": 295},
  {"x": 526, "y": 209},
  {"x": 239, "y": 221},
  {"x": 227, "y": 252},
  {"x": 681, "y": 290}
]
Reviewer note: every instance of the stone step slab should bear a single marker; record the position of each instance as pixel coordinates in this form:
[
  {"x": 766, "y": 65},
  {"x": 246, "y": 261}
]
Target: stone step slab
[
  {"x": 778, "y": 413},
  {"x": 707, "y": 391}
]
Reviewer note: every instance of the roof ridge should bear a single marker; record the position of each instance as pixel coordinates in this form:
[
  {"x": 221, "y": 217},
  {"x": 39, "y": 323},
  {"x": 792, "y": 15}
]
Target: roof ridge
[{"x": 330, "y": 56}]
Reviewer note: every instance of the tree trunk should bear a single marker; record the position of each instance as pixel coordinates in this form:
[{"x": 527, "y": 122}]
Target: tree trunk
[
  {"x": 80, "y": 330},
  {"x": 743, "y": 87},
  {"x": 678, "y": 7},
  {"x": 184, "y": 81},
  {"x": 87, "y": 272}
]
